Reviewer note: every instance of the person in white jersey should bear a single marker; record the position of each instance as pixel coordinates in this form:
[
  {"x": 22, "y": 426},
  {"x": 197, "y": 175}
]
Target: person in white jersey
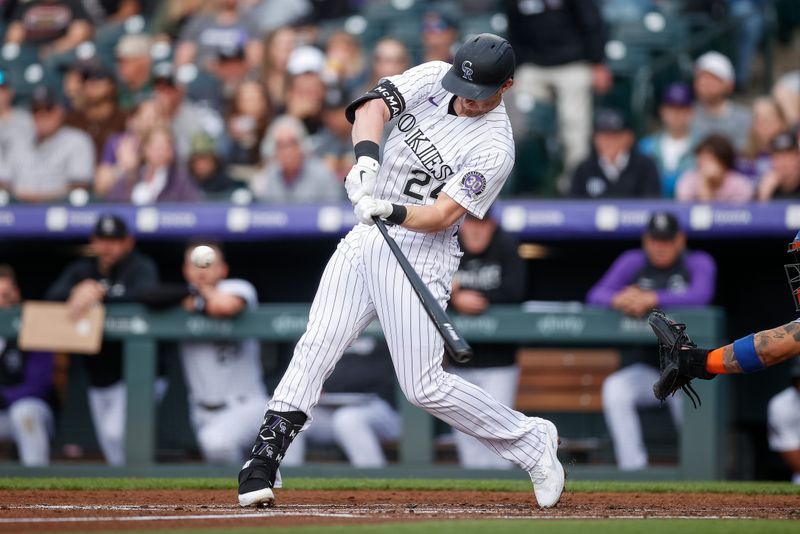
[{"x": 449, "y": 153}]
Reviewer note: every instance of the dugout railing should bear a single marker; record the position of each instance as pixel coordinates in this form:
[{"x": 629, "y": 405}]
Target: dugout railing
[{"x": 140, "y": 330}]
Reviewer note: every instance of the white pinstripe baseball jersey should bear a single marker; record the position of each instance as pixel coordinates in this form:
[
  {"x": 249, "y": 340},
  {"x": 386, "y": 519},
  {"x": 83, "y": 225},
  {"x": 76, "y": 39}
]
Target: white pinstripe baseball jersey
[{"x": 428, "y": 151}]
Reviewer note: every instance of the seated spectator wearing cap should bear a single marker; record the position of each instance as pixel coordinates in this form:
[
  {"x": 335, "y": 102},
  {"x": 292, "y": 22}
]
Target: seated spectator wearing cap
[
  {"x": 293, "y": 173},
  {"x": 228, "y": 69},
  {"x": 26, "y": 388},
  {"x": 223, "y": 27},
  {"x": 157, "y": 177},
  {"x": 305, "y": 94},
  {"x": 713, "y": 179},
  {"x": 58, "y": 159},
  {"x": 15, "y": 122},
  {"x": 122, "y": 151},
  {"x": 207, "y": 172},
  {"x": 672, "y": 147},
  {"x": 52, "y": 26},
  {"x": 334, "y": 142},
  {"x": 783, "y": 416},
  {"x": 663, "y": 274},
  {"x": 768, "y": 121},
  {"x": 783, "y": 178},
  {"x": 389, "y": 58},
  {"x": 186, "y": 117},
  {"x": 714, "y": 111},
  {"x": 116, "y": 272},
  {"x": 247, "y": 123},
  {"x": 439, "y": 35},
  {"x": 100, "y": 115},
  {"x": 616, "y": 168},
  {"x": 134, "y": 64}
]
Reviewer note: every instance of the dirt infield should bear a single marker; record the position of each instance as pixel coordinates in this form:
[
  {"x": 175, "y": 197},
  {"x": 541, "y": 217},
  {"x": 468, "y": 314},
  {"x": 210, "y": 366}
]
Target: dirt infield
[{"x": 37, "y": 511}]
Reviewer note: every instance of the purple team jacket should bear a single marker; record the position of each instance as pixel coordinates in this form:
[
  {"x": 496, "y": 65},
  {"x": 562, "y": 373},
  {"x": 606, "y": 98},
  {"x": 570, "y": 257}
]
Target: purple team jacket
[{"x": 37, "y": 381}]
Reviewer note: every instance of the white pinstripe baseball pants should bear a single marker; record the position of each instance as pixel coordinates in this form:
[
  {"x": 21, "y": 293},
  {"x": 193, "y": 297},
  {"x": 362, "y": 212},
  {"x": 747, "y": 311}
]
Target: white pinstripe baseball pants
[{"x": 362, "y": 281}]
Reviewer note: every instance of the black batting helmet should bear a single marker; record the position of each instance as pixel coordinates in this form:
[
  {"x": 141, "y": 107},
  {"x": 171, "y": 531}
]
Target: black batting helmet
[{"x": 481, "y": 66}]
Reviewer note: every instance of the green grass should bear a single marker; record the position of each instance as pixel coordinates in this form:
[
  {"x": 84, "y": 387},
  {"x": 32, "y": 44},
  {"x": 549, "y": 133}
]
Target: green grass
[
  {"x": 750, "y": 488},
  {"x": 543, "y": 526}
]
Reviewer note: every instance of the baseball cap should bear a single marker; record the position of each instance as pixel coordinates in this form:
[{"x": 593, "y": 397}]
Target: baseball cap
[
  {"x": 481, "y": 66},
  {"x": 163, "y": 72},
  {"x": 304, "y": 59},
  {"x": 677, "y": 94},
  {"x": 94, "y": 70},
  {"x": 133, "y": 45},
  {"x": 784, "y": 142},
  {"x": 717, "y": 64},
  {"x": 231, "y": 52},
  {"x": 437, "y": 21},
  {"x": 610, "y": 120},
  {"x": 42, "y": 98},
  {"x": 663, "y": 225},
  {"x": 202, "y": 143},
  {"x": 110, "y": 226}
]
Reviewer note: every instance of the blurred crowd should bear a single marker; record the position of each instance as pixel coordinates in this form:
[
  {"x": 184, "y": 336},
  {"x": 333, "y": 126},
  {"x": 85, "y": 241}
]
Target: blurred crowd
[{"x": 242, "y": 100}]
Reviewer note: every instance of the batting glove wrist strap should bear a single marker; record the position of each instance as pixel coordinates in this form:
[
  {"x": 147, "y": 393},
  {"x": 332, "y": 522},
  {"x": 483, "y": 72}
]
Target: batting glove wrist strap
[{"x": 398, "y": 215}]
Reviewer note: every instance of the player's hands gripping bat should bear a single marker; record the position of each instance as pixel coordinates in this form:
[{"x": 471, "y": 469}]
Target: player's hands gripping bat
[
  {"x": 367, "y": 208},
  {"x": 455, "y": 344},
  {"x": 680, "y": 359},
  {"x": 360, "y": 181}
]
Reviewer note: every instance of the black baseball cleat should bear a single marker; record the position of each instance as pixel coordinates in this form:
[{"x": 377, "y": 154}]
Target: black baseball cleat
[{"x": 256, "y": 480}]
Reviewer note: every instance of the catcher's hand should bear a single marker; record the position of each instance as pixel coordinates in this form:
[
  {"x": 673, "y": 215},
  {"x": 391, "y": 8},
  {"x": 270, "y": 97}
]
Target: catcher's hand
[{"x": 680, "y": 359}]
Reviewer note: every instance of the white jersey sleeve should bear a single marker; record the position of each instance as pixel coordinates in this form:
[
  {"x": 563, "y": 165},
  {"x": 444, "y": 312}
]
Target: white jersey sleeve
[
  {"x": 783, "y": 419},
  {"x": 479, "y": 180},
  {"x": 240, "y": 288},
  {"x": 418, "y": 83}
]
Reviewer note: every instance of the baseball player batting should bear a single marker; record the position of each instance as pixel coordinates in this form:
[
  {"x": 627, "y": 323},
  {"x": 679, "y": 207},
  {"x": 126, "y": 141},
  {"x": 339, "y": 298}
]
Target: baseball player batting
[{"x": 449, "y": 153}]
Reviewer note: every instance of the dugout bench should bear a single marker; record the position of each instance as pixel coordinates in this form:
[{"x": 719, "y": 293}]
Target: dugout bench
[{"x": 140, "y": 330}]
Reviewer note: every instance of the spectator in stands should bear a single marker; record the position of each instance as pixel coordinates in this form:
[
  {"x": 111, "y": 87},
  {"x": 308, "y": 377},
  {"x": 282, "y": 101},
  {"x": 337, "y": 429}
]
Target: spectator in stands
[
  {"x": 223, "y": 27},
  {"x": 672, "y": 147},
  {"x": 783, "y": 416},
  {"x": 116, "y": 273},
  {"x": 186, "y": 117},
  {"x": 345, "y": 61},
  {"x": 334, "y": 142},
  {"x": 714, "y": 111},
  {"x": 278, "y": 46},
  {"x": 389, "y": 57},
  {"x": 52, "y": 26},
  {"x": 121, "y": 151},
  {"x": 157, "y": 177},
  {"x": 559, "y": 48},
  {"x": 206, "y": 171},
  {"x": 57, "y": 160},
  {"x": 439, "y": 35},
  {"x": 713, "y": 179},
  {"x": 783, "y": 178},
  {"x": 15, "y": 122},
  {"x": 293, "y": 173},
  {"x": 305, "y": 94},
  {"x": 616, "y": 168},
  {"x": 247, "y": 122},
  {"x": 663, "y": 273},
  {"x": 786, "y": 93},
  {"x": 111, "y": 12},
  {"x": 216, "y": 408},
  {"x": 100, "y": 115},
  {"x": 768, "y": 121},
  {"x": 491, "y": 272},
  {"x": 229, "y": 70},
  {"x": 26, "y": 389},
  {"x": 356, "y": 410},
  {"x": 134, "y": 65}
]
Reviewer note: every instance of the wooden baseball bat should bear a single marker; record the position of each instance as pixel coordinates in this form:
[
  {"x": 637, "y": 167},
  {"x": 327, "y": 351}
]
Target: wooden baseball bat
[{"x": 455, "y": 344}]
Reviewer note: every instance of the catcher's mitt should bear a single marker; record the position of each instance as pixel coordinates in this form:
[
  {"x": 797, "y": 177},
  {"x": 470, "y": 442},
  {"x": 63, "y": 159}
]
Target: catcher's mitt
[{"x": 680, "y": 359}]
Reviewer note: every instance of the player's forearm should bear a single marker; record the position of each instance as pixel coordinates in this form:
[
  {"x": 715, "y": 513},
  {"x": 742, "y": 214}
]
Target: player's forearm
[
  {"x": 370, "y": 119},
  {"x": 771, "y": 346},
  {"x": 432, "y": 218}
]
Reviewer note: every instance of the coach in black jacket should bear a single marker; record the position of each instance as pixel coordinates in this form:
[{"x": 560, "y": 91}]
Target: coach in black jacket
[
  {"x": 118, "y": 273},
  {"x": 560, "y": 49},
  {"x": 616, "y": 168}
]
